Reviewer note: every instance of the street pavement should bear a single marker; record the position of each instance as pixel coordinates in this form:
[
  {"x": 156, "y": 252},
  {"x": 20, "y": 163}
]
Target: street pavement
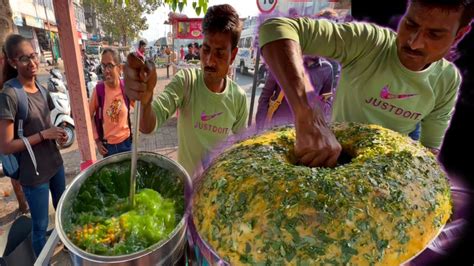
[{"x": 163, "y": 141}]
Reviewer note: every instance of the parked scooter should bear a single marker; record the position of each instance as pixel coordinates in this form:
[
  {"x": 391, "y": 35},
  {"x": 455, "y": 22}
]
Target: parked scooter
[
  {"x": 91, "y": 82},
  {"x": 90, "y": 75},
  {"x": 61, "y": 114}
]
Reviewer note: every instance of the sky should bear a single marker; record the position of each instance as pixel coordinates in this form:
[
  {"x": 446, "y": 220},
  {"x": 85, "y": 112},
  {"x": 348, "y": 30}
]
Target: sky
[{"x": 157, "y": 29}]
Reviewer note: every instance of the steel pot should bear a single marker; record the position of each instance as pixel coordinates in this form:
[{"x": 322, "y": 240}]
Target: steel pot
[{"x": 165, "y": 252}]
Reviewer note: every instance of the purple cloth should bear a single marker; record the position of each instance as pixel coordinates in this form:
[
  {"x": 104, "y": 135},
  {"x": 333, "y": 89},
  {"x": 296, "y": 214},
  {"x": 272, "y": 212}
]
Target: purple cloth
[{"x": 322, "y": 79}]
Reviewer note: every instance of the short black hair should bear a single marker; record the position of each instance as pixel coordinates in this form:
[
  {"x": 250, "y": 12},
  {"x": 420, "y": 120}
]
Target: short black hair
[
  {"x": 190, "y": 45},
  {"x": 114, "y": 54},
  {"x": 141, "y": 43},
  {"x": 451, "y": 5},
  {"x": 223, "y": 19}
]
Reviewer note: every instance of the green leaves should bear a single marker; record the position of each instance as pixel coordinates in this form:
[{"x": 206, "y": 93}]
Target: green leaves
[
  {"x": 123, "y": 20},
  {"x": 198, "y": 5}
]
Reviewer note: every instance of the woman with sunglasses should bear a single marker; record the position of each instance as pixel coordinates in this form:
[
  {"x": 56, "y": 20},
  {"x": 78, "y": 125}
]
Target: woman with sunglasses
[
  {"x": 48, "y": 175},
  {"x": 109, "y": 108}
]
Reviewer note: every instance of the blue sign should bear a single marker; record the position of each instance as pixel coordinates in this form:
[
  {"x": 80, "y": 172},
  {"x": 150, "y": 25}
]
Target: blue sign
[{"x": 17, "y": 19}]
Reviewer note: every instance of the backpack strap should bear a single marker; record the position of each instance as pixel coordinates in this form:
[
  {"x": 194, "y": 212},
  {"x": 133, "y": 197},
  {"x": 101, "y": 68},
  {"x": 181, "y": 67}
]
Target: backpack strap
[
  {"x": 273, "y": 106},
  {"x": 22, "y": 114},
  {"x": 98, "y": 116},
  {"x": 127, "y": 103},
  {"x": 43, "y": 91},
  {"x": 22, "y": 109}
]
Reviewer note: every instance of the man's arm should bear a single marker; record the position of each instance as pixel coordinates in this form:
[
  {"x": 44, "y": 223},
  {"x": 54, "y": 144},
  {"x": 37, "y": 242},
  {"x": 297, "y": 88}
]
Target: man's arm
[
  {"x": 315, "y": 145},
  {"x": 345, "y": 43},
  {"x": 147, "y": 119},
  {"x": 154, "y": 112},
  {"x": 282, "y": 41},
  {"x": 434, "y": 125}
]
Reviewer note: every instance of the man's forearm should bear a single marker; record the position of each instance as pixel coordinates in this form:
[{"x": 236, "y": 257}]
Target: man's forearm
[
  {"x": 147, "y": 119},
  {"x": 285, "y": 61}
]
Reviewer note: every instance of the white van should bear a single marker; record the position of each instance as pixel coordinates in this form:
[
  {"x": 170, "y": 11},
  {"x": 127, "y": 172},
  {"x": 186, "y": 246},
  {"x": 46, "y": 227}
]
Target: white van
[{"x": 245, "y": 59}]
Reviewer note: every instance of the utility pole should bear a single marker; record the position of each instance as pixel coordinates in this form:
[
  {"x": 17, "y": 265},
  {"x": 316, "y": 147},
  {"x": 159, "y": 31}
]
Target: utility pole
[
  {"x": 49, "y": 29},
  {"x": 70, "y": 52}
]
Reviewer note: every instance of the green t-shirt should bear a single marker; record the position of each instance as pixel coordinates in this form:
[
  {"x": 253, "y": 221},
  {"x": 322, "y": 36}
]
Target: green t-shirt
[
  {"x": 207, "y": 118},
  {"x": 374, "y": 86}
]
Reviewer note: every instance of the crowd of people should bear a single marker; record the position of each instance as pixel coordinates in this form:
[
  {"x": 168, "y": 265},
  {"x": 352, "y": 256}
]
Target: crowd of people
[{"x": 320, "y": 70}]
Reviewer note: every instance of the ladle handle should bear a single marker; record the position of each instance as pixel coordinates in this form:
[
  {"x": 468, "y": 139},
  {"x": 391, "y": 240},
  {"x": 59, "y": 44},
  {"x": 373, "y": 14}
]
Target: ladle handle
[{"x": 133, "y": 170}]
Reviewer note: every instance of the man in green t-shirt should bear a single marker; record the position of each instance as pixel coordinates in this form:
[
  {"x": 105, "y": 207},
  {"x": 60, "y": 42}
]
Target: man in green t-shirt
[
  {"x": 211, "y": 106},
  {"x": 395, "y": 80}
]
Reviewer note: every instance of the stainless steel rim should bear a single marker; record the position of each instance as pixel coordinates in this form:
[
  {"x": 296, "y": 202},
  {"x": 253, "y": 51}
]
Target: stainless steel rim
[{"x": 79, "y": 179}]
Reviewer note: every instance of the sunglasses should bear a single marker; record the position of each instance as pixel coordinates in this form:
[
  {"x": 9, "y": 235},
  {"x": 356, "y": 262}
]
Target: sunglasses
[
  {"x": 108, "y": 66},
  {"x": 26, "y": 59}
]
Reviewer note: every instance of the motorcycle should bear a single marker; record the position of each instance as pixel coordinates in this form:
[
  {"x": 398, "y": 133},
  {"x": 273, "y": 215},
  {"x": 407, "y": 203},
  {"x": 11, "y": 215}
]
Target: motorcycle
[{"x": 61, "y": 114}]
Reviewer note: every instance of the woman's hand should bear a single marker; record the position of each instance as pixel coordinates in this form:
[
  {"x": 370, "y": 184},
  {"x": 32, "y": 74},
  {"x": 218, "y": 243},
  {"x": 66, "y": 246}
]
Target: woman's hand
[
  {"x": 100, "y": 146},
  {"x": 54, "y": 133}
]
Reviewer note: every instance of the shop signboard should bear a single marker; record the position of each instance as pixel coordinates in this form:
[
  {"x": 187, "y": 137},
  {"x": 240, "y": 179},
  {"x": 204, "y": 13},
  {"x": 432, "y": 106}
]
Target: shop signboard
[
  {"x": 34, "y": 22},
  {"x": 189, "y": 29}
]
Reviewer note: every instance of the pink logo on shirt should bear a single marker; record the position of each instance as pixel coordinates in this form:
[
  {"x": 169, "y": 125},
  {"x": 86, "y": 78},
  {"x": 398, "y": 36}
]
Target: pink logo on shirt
[
  {"x": 205, "y": 117},
  {"x": 386, "y": 94}
]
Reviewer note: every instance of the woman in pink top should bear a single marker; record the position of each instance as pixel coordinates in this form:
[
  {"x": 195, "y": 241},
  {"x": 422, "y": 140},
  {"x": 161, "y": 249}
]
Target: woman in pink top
[
  {"x": 109, "y": 109},
  {"x": 141, "y": 49}
]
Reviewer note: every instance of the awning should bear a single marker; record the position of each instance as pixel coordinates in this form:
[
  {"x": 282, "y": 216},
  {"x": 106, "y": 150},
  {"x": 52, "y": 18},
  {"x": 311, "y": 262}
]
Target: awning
[
  {"x": 26, "y": 32},
  {"x": 52, "y": 28},
  {"x": 34, "y": 22}
]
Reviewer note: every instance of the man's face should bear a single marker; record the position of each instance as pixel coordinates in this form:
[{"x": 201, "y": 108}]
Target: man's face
[
  {"x": 217, "y": 55},
  {"x": 426, "y": 34}
]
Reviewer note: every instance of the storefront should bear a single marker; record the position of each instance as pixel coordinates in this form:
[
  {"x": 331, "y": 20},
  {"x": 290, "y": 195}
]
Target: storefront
[
  {"x": 43, "y": 37},
  {"x": 25, "y": 25},
  {"x": 52, "y": 36}
]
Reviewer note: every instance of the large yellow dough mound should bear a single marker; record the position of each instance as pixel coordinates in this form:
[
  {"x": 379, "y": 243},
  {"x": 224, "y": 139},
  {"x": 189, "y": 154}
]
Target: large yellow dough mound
[{"x": 383, "y": 207}]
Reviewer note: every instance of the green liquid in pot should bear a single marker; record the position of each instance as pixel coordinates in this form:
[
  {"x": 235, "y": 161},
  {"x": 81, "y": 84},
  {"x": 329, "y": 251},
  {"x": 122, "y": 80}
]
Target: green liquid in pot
[{"x": 101, "y": 222}]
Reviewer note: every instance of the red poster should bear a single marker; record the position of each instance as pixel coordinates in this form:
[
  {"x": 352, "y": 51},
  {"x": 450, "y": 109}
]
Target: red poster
[{"x": 189, "y": 29}]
